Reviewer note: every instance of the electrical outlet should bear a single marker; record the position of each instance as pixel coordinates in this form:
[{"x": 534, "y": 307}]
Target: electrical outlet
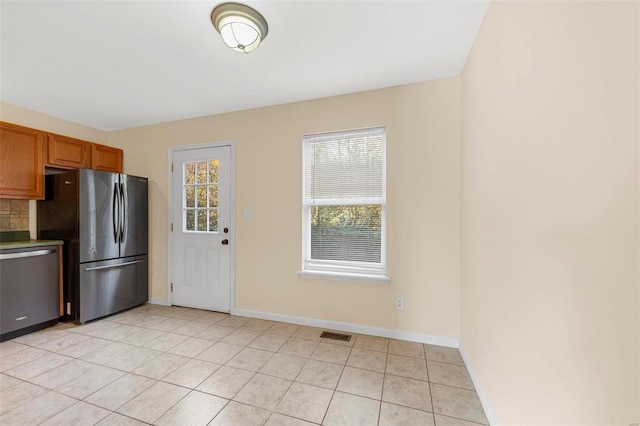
[{"x": 399, "y": 303}]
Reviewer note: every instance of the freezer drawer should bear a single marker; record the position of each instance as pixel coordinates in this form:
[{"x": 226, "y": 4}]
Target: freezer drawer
[
  {"x": 29, "y": 289},
  {"x": 112, "y": 286}
]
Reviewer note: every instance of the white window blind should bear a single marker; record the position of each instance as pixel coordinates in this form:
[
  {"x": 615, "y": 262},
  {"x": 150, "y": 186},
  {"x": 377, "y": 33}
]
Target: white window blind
[{"x": 344, "y": 202}]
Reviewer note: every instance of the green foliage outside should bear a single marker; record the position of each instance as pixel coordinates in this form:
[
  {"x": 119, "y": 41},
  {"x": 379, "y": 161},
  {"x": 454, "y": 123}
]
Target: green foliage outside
[
  {"x": 351, "y": 232},
  {"x": 201, "y": 195}
]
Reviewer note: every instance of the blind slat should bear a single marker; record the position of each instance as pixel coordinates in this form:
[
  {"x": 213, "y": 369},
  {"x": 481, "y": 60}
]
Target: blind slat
[{"x": 345, "y": 167}]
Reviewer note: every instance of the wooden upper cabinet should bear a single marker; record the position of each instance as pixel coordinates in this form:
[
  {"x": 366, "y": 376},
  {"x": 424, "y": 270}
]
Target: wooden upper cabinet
[
  {"x": 66, "y": 152},
  {"x": 106, "y": 158},
  {"x": 24, "y": 153},
  {"x": 69, "y": 153},
  {"x": 21, "y": 162}
]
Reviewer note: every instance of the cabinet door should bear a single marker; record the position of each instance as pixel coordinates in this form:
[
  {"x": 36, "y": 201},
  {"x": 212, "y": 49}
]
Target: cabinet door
[
  {"x": 106, "y": 158},
  {"x": 68, "y": 152},
  {"x": 21, "y": 162}
]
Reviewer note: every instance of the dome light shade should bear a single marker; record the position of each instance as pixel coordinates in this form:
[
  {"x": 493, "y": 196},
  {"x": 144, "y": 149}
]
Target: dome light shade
[{"x": 241, "y": 27}]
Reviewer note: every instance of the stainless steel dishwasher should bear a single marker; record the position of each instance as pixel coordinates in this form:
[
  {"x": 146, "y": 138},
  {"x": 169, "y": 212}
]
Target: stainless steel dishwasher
[{"x": 29, "y": 290}]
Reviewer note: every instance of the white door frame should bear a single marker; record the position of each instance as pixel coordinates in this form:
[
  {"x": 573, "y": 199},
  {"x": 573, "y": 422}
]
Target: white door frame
[{"x": 232, "y": 235}]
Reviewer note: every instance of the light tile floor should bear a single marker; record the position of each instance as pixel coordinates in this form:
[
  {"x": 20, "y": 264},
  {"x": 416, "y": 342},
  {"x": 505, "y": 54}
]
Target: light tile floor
[{"x": 178, "y": 366}]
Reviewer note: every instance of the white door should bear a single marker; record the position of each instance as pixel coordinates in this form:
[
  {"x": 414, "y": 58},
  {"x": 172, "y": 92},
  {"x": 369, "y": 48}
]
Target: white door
[{"x": 201, "y": 218}]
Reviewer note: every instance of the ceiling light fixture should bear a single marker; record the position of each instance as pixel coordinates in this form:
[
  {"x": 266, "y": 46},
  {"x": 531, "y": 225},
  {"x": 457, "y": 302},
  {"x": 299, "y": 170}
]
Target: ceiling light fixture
[{"x": 241, "y": 27}]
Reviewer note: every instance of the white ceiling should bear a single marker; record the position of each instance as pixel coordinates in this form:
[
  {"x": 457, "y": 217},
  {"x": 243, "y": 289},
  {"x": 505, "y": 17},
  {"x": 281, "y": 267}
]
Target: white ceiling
[{"x": 118, "y": 64}]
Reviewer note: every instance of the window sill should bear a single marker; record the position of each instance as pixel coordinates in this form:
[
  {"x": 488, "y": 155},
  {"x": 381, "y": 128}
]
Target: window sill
[{"x": 341, "y": 276}]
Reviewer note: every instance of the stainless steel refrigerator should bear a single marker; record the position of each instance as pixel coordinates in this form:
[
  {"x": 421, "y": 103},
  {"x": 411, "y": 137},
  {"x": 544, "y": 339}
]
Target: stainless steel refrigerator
[{"x": 102, "y": 218}]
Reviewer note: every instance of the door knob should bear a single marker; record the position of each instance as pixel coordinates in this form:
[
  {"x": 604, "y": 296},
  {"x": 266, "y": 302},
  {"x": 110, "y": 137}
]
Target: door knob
[{"x": 225, "y": 242}]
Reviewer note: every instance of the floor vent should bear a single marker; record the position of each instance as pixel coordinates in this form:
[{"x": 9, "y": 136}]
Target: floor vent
[{"x": 336, "y": 336}]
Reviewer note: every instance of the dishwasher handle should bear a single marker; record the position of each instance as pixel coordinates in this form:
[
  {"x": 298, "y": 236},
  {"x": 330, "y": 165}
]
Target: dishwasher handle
[
  {"x": 22, "y": 254},
  {"x": 117, "y": 265}
]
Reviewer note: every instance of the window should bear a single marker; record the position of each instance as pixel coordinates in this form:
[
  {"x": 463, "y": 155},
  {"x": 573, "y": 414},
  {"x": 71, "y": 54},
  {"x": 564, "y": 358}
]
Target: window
[
  {"x": 200, "y": 196},
  {"x": 344, "y": 203}
]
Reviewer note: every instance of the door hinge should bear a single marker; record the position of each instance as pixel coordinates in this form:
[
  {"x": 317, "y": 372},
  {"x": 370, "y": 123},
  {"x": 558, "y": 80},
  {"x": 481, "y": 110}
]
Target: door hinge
[
  {"x": 172, "y": 227},
  {"x": 171, "y": 287},
  {"x": 171, "y": 167}
]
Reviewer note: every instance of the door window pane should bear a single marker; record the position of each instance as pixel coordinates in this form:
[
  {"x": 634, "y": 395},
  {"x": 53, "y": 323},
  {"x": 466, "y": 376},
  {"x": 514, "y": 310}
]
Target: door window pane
[
  {"x": 213, "y": 171},
  {"x": 190, "y": 220},
  {"x": 202, "y": 220},
  {"x": 201, "y": 172},
  {"x": 213, "y": 220},
  {"x": 201, "y": 191},
  {"x": 201, "y": 196},
  {"x": 190, "y": 200},
  {"x": 213, "y": 195},
  {"x": 190, "y": 173}
]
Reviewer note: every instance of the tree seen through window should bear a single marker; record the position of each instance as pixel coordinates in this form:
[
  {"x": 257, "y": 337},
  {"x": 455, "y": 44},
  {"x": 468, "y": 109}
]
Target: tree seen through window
[{"x": 201, "y": 192}]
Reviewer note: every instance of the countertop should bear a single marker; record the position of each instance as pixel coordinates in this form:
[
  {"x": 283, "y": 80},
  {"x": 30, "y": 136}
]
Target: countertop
[{"x": 28, "y": 244}]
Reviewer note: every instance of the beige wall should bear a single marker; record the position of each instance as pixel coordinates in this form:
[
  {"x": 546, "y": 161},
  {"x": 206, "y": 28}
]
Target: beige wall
[
  {"x": 423, "y": 150},
  {"x": 550, "y": 284},
  {"x": 25, "y": 117}
]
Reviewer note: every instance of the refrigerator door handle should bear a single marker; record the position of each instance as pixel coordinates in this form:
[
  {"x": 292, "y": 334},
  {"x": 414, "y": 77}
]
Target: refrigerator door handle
[
  {"x": 116, "y": 213},
  {"x": 123, "y": 211},
  {"x": 96, "y": 268}
]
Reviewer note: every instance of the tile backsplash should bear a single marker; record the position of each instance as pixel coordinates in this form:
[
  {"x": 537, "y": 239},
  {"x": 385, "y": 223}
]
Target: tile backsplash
[{"x": 14, "y": 215}]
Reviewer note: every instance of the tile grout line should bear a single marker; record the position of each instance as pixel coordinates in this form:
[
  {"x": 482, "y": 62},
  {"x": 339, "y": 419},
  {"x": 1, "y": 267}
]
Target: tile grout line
[
  {"x": 384, "y": 380},
  {"x": 193, "y": 356}
]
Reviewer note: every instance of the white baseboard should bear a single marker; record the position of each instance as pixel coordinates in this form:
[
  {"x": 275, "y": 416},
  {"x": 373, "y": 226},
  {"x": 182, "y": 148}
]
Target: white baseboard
[
  {"x": 476, "y": 383},
  {"x": 352, "y": 328},
  {"x": 156, "y": 301}
]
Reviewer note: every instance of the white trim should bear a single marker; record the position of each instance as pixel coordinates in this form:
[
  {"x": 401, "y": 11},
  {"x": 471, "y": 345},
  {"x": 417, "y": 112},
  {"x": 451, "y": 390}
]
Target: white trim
[
  {"x": 344, "y": 134},
  {"x": 232, "y": 224},
  {"x": 203, "y": 145},
  {"x": 156, "y": 301},
  {"x": 484, "y": 400},
  {"x": 450, "y": 342},
  {"x": 342, "y": 276},
  {"x": 330, "y": 269},
  {"x": 232, "y": 219}
]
